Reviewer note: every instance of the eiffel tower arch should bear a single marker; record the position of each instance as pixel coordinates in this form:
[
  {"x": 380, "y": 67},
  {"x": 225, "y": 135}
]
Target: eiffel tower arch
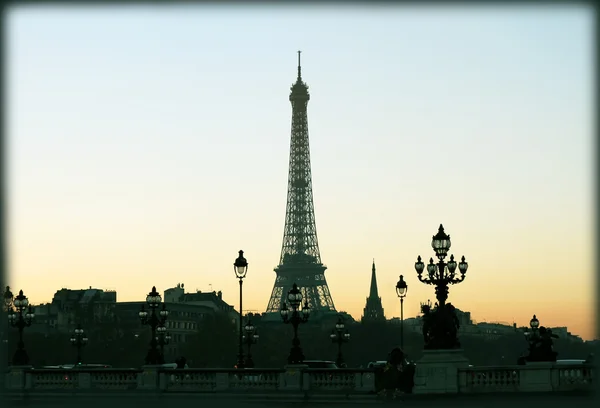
[{"x": 300, "y": 260}]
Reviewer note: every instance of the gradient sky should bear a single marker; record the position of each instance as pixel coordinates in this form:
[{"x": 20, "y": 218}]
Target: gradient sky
[{"x": 148, "y": 145}]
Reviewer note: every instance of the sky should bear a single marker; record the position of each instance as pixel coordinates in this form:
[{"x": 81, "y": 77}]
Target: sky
[{"x": 146, "y": 146}]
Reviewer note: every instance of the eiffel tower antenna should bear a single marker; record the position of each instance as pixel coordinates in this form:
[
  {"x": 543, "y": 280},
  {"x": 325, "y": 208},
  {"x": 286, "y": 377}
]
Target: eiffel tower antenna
[{"x": 300, "y": 260}]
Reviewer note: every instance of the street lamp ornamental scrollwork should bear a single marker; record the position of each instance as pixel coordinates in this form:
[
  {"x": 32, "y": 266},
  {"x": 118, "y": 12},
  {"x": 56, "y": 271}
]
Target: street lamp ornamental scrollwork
[
  {"x": 295, "y": 316},
  {"x": 440, "y": 326},
  {"x": 250, "y": 337},
  {"x": 163, "y": 337},
  {"x": 20, "y": 318},
  {"x": 154, "y": 319},
  {"x": 339, "y": 336},
  {"x": 78, "y": 339}
]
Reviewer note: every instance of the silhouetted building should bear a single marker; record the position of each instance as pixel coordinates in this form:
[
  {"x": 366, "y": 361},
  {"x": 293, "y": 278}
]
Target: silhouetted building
[
  {"x": 80, "y": 306},
  {"x": 183, "y": 321},
  {"x": 373, "y": 311},
  {"x": 213, "y": 300}
]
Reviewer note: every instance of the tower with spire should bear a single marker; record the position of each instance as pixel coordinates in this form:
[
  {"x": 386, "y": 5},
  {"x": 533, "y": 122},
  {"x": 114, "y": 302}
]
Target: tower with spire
[
  {"x": 300, "y": 260},
  {"x": 373, "y": 311}
]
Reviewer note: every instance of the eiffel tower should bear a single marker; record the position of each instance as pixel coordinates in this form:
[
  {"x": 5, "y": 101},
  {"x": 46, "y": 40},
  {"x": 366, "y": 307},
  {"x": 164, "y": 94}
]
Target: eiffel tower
[{"x": 300, "y": 260}]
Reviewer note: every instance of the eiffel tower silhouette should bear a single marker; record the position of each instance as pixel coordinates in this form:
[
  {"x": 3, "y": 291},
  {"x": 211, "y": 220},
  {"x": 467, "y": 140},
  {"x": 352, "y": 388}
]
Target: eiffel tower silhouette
[{"x": 300, "y": 260}]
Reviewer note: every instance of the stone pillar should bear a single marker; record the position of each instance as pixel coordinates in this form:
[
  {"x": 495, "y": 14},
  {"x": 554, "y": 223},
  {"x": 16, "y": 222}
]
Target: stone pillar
[
  {"x": 364, "y": 381},
  {"x": 437, "y": 371},
  {"x": 222, "y": 381},
  {"x": 149, "y": 379},
  {"x": 291, "y": 379},
  {"x": 536, "y": 377},
  {"x": 18, "y": 378},
  {"x": 84, "y": 380}
]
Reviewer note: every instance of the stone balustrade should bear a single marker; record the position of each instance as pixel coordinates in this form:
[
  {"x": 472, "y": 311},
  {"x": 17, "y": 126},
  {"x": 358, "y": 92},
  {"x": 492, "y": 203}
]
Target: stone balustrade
[
  {"x": 538, "y": 377},
  {"x": 543, "y": 377}
]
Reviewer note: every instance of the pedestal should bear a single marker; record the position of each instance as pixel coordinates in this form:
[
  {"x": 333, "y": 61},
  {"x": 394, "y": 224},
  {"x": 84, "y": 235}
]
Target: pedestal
[
  {"x": 17, "y": 378},
  {"x": 148, "y": 378},
  {"x": 291, "y": 379},
  {"x": 536, "y": 376},
  {"x": 437, "y": 371}
]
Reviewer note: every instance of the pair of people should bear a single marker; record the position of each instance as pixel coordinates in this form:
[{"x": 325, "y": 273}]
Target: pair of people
[{"x": 398, "y": 374}]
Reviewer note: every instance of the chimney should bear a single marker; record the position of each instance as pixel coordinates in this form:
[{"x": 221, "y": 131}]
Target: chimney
[{"x": 220, "y": 294}]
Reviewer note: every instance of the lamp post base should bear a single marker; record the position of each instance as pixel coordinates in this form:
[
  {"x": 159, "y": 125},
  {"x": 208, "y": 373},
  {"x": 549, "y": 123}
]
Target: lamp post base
[
  {"x": 20, "y": 358},
  {"x": 296, "y": 356},
  {"x": 154, "y": 357},
  {"x": 437, "y": 371},
  {"x": 249, "y": 363}
]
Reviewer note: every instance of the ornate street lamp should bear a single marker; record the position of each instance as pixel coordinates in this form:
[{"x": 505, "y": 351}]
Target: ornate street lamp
[
  {"x": 340, "y": 336},
  {"x": 534, "y": 323},
  {"x": 8, "y": 302},
  {"x": 295, "y": 316},
  {"x": 163, "y": 338},
  {"x": 20, "y": 320},
  {"x": 154, "y": 319},
  {"x": 442, "y": 320},
  {"x": 443, "y": 273},
  {"x": 401, "y": 289},
  {"x": 540, "y": 342},
  {"x": 250, "y": 338},
  {"x": 240, "y": 266},
  {"x": 78, "y": 340}
]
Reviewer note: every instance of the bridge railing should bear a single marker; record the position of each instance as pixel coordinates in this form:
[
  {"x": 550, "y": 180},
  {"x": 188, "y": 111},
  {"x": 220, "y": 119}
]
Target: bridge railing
[
  {"x": 528, "y": 378},
  {"x": 524, "y": 378}
]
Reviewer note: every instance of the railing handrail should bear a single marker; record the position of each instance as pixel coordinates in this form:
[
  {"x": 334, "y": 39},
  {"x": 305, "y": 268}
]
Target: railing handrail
[
  {"x": 222, "y": 370},
  {"x": 82, "y": 370},
  {"x": 525, "y": 367}
]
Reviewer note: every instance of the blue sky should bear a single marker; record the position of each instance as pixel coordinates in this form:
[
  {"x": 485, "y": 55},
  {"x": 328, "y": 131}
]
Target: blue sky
[{"x": 144, "y": 140}]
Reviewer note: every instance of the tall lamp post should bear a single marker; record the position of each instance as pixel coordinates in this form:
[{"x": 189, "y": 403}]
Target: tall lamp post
[
  {"x": 441, "y": 275},
  {"x": 295, "y": 316},
  {"x": 401, "y": 289},
  {"x": 8, "y": 301},
  {"x": 20, "y": 320},
  {"x": 250, "y": 338},
  {"x": 240, "y": 266},
  {"x": 163, "y": 338},
  {"x": 340, "y": 336},
  {"x": 533, "y": 335},
  {"x": 78, "y": 340},
  {"x": 154, "y": 319}
]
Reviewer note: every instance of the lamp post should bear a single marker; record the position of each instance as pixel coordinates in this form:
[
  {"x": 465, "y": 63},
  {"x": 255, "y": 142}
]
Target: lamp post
[
  {"x": 8, "y": 301},
  {"x": 163, "y": 338},
  {"x": 154, "y": 319},
  {"x": 250, "y": 338},
  {"x": 78, "y": 340},
  {"x": 295, "y": 316},
  {"x": 441, "y": 275},
  {"x": 340, "y": 336},
  {"x": 240, "y": 266},
  {"x": 533, "y": 335},
  {"x": 20, "y": 320},
  {"x": 401, "y": 289}
]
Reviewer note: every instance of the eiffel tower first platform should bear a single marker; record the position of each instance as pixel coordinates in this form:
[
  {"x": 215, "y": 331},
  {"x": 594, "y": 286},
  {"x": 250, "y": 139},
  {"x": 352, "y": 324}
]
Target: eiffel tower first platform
[{"x": 300, "y": 260}]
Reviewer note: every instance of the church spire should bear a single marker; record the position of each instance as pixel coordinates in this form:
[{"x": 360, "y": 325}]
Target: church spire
[
  {"x": 373, "y": 311},
  {"x": 373, "y": 292}
]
